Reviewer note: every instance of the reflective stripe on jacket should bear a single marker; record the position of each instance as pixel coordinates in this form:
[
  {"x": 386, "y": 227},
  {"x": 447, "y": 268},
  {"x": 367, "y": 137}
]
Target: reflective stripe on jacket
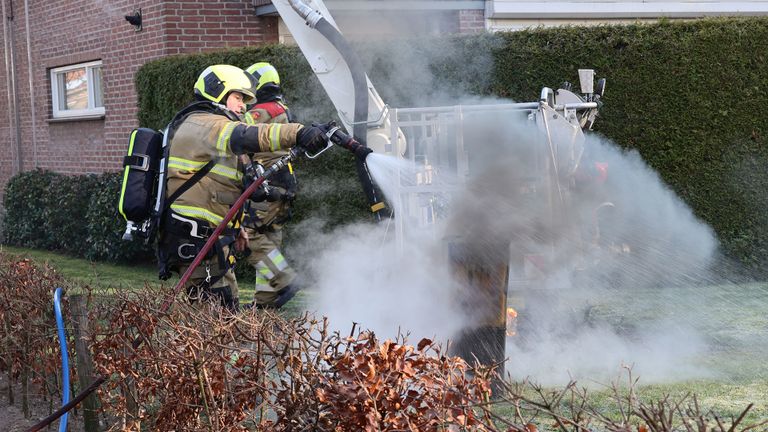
[{"x": 262, "y": 114}]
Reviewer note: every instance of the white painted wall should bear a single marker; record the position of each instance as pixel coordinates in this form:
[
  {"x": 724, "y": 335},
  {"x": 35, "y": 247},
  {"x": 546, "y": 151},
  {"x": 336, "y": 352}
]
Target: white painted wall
[{"x": 515, "y": 14}]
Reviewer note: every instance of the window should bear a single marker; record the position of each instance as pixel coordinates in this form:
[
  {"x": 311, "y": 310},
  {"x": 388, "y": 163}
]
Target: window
[{"x": 77, "y": 90}]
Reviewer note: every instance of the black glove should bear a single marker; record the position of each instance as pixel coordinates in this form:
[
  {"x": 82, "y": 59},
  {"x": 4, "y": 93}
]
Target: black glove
[
  {"x": 274, "y": 195},
  {"x": 288, "y": 197},
  {"x": 341, "y": 139},
  {"x": 259, "y": 195},
  {"x": 325, "y": 127},
  {"x": 311, "y": 138}
]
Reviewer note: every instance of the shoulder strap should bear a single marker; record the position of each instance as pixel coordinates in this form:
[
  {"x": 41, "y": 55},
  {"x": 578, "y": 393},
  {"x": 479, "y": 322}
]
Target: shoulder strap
[
  {"x": 189, "y": 183},
  {"x": 274, "y": 109},
  {"x": 196, "y": 107},
  {"x": 200, "y": 106}
]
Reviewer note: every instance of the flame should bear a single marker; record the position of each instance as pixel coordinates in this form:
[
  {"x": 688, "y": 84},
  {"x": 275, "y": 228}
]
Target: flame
[{"x": 511, "y": 321}]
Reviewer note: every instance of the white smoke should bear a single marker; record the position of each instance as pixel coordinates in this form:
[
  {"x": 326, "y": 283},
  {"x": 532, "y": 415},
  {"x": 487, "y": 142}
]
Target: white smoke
[
  {"x": 649, "y": 242},
  {"x": 579, "y": 306},
  {"x": 364, "y": 275},
  {"x": 363, "y": 278}
]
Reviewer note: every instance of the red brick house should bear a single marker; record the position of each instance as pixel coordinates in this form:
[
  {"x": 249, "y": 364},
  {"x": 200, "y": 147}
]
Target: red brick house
[{"x": 79, "y": 58}]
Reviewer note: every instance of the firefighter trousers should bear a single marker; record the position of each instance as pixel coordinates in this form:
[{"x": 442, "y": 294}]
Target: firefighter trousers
[
  {"x": 273, "y": 273},
  {"x": 208, "y": 284}
]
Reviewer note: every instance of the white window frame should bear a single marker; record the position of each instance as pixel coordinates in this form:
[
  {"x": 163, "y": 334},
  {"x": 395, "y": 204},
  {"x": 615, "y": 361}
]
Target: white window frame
[{"x": 92, "y": 110}]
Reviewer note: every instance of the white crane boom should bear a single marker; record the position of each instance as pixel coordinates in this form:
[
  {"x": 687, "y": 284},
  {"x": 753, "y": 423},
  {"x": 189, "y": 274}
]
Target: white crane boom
[{"x": 334, "y": 74}]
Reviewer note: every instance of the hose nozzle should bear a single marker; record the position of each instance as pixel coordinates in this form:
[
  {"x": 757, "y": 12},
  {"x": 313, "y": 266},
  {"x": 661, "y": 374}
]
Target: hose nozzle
[{"x": 341, "y": 139}]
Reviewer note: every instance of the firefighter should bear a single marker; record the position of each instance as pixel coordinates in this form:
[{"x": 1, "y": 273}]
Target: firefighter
[
  {"x": 265, "y": 216},
  {"x": 269, "y": 107},
  {"x": 205, "y": 178}
]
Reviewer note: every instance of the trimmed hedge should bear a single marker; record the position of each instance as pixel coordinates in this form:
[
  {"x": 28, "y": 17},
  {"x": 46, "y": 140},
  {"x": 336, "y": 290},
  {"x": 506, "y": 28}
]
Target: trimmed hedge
[
  {"x": 73, "y": 214},
  {"x": 27, "y": 205},
  {"x": 689, "y": 96}
]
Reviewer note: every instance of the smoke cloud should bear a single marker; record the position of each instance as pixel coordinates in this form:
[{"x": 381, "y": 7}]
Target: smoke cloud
[
  {"x": 364, "y": 275},
  {"x": 575, "y": 261},
  {"x": 600, "y": 268}
]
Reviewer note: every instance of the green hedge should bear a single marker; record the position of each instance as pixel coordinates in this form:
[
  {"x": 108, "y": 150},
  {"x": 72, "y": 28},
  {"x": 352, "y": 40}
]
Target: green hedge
[
  {"x": 689, "y": 96},
  {"x": 73, "y": 214},
  {"x": 27, "y": 202}
]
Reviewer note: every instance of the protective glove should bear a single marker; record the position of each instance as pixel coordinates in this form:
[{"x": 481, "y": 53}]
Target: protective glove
[
  {"x": 288, "y": 197},
  {"x": 311, "y": 138},
  {"x": 325, "y": 127}
]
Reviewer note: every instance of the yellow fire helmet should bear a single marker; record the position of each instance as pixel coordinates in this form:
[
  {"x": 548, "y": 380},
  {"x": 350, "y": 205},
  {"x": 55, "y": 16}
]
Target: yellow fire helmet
[
  {"x": 265, "y": 73},
  {"x": 217, "y": 81}
]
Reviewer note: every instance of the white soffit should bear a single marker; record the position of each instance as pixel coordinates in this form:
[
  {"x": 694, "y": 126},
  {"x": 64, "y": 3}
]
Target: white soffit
[{"x": 622, "y": 9}]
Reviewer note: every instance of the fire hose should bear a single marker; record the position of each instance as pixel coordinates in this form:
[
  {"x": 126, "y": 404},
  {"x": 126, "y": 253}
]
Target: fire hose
[
  {"x": 64, "y": 355},
  {"x": 335, "y": 135}
]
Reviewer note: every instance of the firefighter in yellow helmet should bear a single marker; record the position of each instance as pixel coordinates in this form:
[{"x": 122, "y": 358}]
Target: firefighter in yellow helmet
[
  {"x": 205, "y": 178},
  {"x": 264, "y": 218},
  {"x": 269, "y": 107}
]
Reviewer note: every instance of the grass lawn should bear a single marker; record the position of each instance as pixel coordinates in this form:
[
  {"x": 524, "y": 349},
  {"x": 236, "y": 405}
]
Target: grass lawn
[
  {"x": 731, "y": 321},
  {"x": 100, "y": 276},
  {"x": 734, "y": 321},
  {"x": 105, "y": 277}
]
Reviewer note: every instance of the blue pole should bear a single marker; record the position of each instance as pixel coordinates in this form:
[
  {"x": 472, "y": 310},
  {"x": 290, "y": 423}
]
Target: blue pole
[{"x": 64, "y": 356}]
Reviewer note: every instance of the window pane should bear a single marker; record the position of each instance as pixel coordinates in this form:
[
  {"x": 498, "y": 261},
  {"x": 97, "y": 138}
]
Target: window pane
[
  {"x": 97, "y": 89},
  {"x": 75, "y": 90},
  {"x": 62, "y": 91}
]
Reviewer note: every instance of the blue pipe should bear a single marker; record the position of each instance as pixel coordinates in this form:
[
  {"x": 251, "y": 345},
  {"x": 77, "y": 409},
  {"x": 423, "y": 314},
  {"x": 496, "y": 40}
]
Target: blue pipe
[{"x": 64, "y": 356}]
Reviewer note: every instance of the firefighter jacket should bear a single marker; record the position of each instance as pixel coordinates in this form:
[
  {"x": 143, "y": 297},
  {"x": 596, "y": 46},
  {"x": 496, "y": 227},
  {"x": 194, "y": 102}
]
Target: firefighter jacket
[
  {"x": 273, "y": 213},
  {"x": 213, "y": 133},
  {"x": 271, "y": 113}
]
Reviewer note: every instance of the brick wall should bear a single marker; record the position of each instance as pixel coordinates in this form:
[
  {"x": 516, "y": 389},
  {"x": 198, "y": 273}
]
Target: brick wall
[
  {"x": 73, "y": 31},
  {"x": 471, "y": 21}
]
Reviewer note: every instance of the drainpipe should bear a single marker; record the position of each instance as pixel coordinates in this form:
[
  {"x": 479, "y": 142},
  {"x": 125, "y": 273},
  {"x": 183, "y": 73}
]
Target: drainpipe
[
  {"x": 13, "y": 96},
  {"x": 8, "y": 84},
  {"x": 31, "y": 88}
]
